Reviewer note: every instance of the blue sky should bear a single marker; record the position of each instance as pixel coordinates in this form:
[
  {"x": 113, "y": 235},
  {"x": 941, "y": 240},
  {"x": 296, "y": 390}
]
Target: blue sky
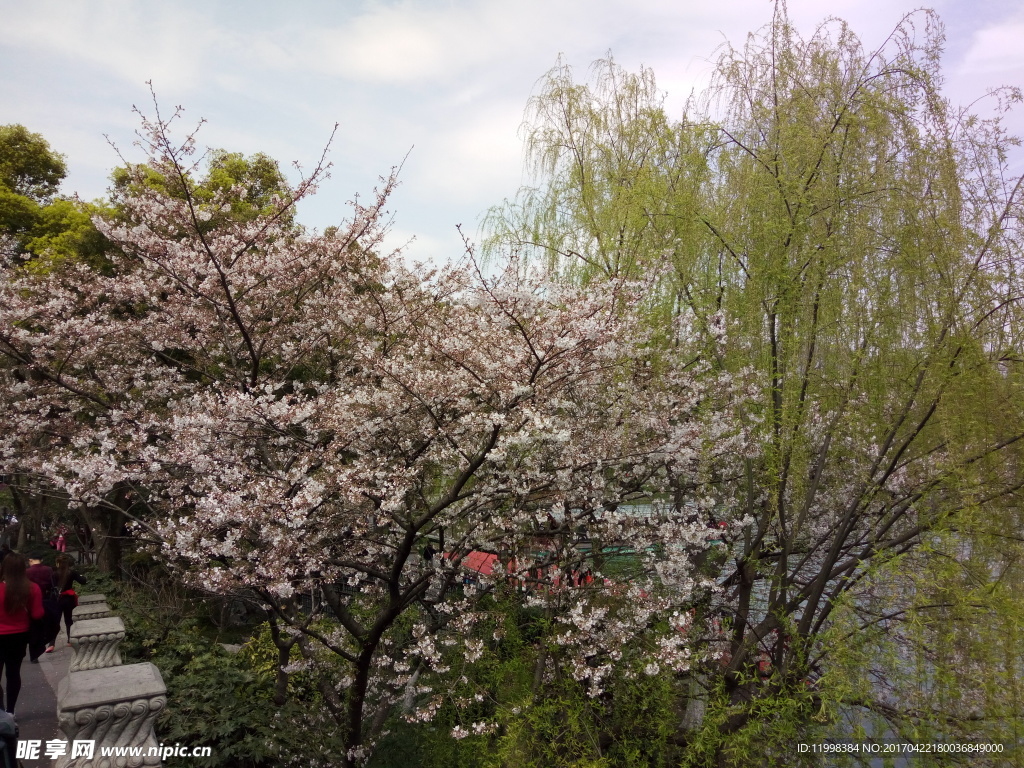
[{"x": 447, "y": 79}]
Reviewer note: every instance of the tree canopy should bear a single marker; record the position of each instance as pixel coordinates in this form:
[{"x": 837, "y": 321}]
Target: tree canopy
[
  {"x": 859, "y": 237},
  {"x": 30, "y": 174},
  {"x": 28, "y": 166},
  {"x": 302, "y": 415}
]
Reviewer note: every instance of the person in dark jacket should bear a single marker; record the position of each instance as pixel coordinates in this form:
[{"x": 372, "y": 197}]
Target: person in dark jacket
[
  {"x": 67, "y": 599},
  {"x": 40, "y": 574}
]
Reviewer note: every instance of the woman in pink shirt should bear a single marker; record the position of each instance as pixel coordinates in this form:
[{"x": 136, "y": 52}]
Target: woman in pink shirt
[{"x": 19, "y": 599}]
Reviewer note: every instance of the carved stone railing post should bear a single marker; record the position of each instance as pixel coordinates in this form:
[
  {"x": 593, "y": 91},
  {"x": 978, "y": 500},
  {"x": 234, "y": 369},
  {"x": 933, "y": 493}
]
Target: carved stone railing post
[
  {"x": 91, "y": 611},
  {"x": 95, "y": 643},
  {"x": 113, "y": 707},
  {"x": 104, "y": 701}
]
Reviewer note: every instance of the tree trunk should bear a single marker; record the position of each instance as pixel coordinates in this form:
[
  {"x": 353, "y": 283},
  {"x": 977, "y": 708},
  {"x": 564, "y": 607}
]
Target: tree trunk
[
  {"x": 29, "y": 509},
  {"x": 356, "y": 703},
  {"x": 107, "y": 526},
  {"x": 284, "y": 653}
]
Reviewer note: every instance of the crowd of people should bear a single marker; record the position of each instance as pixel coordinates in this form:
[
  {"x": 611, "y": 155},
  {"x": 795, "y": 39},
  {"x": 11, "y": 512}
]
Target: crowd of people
[{"x": 34, "y": 598}]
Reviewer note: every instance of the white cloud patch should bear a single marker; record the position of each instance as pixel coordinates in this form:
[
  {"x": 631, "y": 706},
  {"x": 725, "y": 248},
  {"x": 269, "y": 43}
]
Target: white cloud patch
[
  {"x": 385, "y": 45},
  {"x": 132, "y": 41},
  {"x": 477, "y": 155},
  {"x": 417, "y": 42},
  {"x": 451, "y": 78},
  {"x": 995, "y": 50}
]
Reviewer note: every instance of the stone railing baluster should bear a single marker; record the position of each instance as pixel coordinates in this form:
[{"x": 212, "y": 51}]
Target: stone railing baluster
[
  {"x": 114, "y": 707},
  {"x": 104, "y": 701},
  {"x": 95, "y": 643},
  {"x": 91, "y": 611}
]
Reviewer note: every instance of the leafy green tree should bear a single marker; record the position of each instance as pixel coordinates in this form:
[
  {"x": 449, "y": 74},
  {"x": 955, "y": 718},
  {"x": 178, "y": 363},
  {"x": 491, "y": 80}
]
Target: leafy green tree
[
  {"x": 28, "y": 166},
  {"x": 854, "y": 237},
  {"x": 34, "y": 220},
  {"x": 64, "y": 230},
  {"x": 17, "y": 212},
  {"x": 30, "y": 173}
]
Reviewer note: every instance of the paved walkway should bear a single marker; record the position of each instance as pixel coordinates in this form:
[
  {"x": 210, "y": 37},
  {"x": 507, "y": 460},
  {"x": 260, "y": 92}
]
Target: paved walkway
[{"x": 37, "y": 702}]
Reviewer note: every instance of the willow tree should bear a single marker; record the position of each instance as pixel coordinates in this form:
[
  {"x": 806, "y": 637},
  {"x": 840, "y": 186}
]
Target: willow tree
[{"x": 857, "y": 236}]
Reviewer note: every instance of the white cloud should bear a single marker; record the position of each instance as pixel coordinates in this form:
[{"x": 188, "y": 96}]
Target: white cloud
[
  {"x": 478, "y": 151},
  {"x": 129, "y": 40},
  {"x": 995, "y": 50},
  {"x": 387, "y": 44},
  {"x": 420, "y": 42},
  {"x": 451, "y": 78}
]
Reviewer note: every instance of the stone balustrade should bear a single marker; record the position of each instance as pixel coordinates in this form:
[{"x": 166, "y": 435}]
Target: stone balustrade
[{"x": 104, "y": 701}]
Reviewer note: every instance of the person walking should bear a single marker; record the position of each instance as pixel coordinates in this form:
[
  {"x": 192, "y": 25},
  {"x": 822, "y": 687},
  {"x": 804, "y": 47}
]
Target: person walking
[
  {"x": 67, "y": 599},
  {"x": 20, "y": 601},
  {"x": 40, "y": 574},
  {"x": 43, "y": 632}
]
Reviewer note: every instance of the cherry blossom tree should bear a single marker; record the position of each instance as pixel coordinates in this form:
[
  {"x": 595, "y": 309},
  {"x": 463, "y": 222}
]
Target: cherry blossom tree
[{"x": 302, "y": 415}]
